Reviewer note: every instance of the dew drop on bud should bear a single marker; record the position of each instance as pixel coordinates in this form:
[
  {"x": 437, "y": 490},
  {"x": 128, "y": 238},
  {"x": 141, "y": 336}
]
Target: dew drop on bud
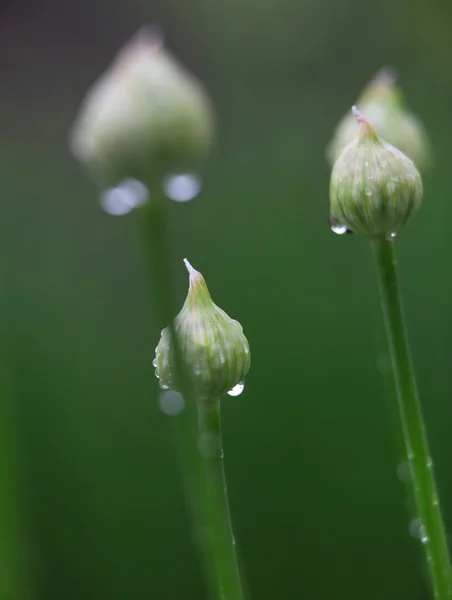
[
  {"x": 162, "y": 386},
  {"x": 182, "y": 187},
  {"x": 338, "y": 228},
  {"x": 154, "y": 362},
  {"x": 237, "y": 389}
]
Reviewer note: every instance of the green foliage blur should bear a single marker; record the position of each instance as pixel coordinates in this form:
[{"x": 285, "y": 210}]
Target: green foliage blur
[{"x": 312, "y": 445}]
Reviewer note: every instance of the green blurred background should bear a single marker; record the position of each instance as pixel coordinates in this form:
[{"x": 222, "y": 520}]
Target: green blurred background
[{"x": 312, "y": 445}]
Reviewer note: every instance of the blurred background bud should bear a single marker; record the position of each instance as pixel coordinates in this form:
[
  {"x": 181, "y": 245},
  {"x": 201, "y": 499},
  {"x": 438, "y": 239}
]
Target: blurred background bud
[
  {"x": 374, "y": 187},
  {"x": 144, "y": 118},
  {"x": 383, "y": 103}
]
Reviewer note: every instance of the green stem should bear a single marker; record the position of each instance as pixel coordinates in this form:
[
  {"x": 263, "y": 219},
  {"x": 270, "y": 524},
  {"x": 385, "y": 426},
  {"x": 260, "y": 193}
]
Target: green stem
[
  {"x": 432, "y": 531},
  {"x": 221, "y": 538},
  {"x": 195, "y": 426}
]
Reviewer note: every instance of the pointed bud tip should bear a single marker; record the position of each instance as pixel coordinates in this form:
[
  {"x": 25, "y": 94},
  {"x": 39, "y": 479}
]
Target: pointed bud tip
[
  {"x": 188, "y": 265},
  {"x": 365, "y": 128},
  {"x": 386, "y": 76},
  {"x": 194, "y": 275}
]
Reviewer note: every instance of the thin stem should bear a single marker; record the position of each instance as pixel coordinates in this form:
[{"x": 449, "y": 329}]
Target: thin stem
[
  {"x": 221, "y": 538},
  {"x": 432, "y": 532},
  {"x": 195, "y": 427}
]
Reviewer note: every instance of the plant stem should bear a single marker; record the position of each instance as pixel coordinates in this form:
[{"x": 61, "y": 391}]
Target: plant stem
[
  {"x": 196, "y": 426},
  {"x": 432, "y": 532},
  {"x": 221, "y": 538}
]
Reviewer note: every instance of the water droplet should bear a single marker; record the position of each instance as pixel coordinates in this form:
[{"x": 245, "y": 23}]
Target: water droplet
[
  {"x": 429, "y": 463},
  {"x": 417, "y": 530},
  {"x": 237, "y": 389},
  {"x": 154, "y": 362},
  {"x": 423, "y": 534},
  {"x": 393, "y": 234},
  {"x": 182, "y": 187},
  {"x": 123, "y": 198},
  {"x": 171, "y": 403},
  {"x": 337, "y": 228},
  {"x": 404, "y": 472},
  {"x": 368, "y": 191},
  {"x": 162, "y": 386}
]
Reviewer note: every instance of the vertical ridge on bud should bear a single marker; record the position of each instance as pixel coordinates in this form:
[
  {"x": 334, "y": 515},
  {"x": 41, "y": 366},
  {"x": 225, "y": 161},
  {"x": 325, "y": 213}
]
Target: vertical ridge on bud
[
  {"x": 374, "y": 187},
  {"x": 213, "y": 346}
]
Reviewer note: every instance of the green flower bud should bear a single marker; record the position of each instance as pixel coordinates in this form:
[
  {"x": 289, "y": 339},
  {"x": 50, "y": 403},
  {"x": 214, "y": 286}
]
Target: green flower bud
[
  {"x": 213, "y": 346},
  {"x": 383, "y": 103},
  {"x": 374, "y": 187},
  {"x": 145, "y": 118}
]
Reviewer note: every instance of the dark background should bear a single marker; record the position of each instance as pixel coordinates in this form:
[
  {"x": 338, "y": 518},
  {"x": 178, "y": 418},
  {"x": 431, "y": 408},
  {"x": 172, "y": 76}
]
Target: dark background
[{"x": 311, "y": 446}]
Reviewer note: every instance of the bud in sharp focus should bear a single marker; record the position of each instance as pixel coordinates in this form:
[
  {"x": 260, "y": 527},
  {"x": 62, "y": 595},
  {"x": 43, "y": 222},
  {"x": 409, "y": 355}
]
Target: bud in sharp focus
[
  {"x": 146, "y": 117},
  {"x": 383, "y": 104},
  {"x": 215, "y": 350},
  {"x": 374, "y": 188}
]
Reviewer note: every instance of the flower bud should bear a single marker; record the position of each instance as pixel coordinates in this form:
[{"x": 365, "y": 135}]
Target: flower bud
[
  {"x": 374, "y": 187},
  {"x": 215, "y": 350},
  {"x": 145, "y": 117},
  {"x": 383, "y": 104}
]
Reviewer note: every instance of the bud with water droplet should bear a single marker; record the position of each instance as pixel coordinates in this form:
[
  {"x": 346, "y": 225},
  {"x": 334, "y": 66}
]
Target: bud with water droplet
[
  {"x": 146, "y": 117},
  {"x": 374, "y": 187},
  {"x": 212, "y": 345},
  {"x": 383, "y": 103}
]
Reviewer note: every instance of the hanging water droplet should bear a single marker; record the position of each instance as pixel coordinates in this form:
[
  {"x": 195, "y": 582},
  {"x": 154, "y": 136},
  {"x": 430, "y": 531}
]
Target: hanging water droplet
[
  {"x": 418, "y": 530},
  {"x": 123, "y": 198},
  {"x": 404, "y": 472},
  {"x": 415, "y": 528},
  {"x": 162, "y": 386},
  {"x": 423, "y": 534},
  {"x": 337, "y": 228},
  {"x": 154, "y": 362},
  {"x": 182, "y": 187},
  {"x": 171, "y": 403},
  {"x": 237, "y": 389}
]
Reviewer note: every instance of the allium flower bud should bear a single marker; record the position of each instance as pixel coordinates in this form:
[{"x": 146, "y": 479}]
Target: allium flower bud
[
  {"x": 383, "y": 104},
  {"x": 146, "y": 117},
  {"x": 374, "y": 187},
  {"x": 215, "y": 350}
]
